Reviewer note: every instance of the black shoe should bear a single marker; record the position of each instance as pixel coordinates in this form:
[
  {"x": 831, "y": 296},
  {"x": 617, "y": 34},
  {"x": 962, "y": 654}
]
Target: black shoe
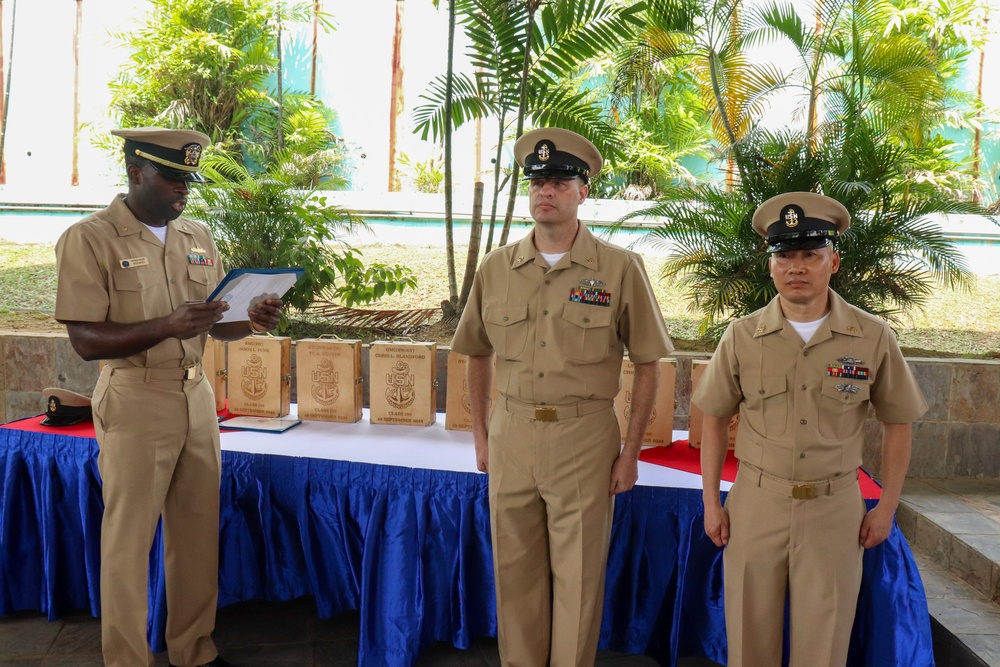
[{"x": 218, "y": 662}]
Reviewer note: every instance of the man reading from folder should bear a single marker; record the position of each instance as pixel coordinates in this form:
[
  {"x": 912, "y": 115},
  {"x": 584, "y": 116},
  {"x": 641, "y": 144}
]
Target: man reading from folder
[{"x": 133, "y": 279}]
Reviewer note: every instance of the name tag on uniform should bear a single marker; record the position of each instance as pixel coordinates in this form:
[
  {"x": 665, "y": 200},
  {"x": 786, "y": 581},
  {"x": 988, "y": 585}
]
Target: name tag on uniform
[{"x": 133, "y": 262}]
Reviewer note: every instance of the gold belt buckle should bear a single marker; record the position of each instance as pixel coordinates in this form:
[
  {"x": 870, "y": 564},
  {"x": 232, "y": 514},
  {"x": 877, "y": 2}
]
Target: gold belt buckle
[
  {"x": 545, "y": 414},
  {"x": 804, "y": 491},
  {"x": 191, "y": 372}
]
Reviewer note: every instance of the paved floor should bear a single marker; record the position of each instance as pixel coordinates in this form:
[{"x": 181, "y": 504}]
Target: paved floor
[{"x": 253, "y": 634}]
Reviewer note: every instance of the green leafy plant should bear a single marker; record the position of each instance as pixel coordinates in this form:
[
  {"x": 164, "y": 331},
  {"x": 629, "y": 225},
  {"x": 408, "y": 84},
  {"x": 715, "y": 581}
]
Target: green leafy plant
[
  {"x": 260, "y": 221},
  {"x": 208, "y": 65}
]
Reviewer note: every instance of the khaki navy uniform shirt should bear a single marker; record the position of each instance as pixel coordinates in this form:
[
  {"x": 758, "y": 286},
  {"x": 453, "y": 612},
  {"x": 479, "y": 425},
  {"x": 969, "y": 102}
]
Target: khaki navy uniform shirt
[
  {"x": 803, "y": 405},
  {"x": 559, "y": 333},
  {"x": 112, "y": 268}
]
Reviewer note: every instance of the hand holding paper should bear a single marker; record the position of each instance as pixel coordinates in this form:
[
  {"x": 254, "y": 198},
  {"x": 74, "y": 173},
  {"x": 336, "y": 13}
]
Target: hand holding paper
[{"x": 247, "y": 292}]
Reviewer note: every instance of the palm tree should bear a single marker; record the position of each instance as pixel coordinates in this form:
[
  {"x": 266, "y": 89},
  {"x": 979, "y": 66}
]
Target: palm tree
[
  {"x": 525, "y": 53},
  {"x": 866, "y": 93}
]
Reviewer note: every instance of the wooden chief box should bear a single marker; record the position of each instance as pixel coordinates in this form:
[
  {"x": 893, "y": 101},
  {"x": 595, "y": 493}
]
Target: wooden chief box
[
  {"x": 457, "y": 409},
  {"x": 403, "y": 383},
  {"x": 660, "y": 430},
  {"x": 328, "y": 379},
  {"x": 213, "y": 363},
  {"x": 697, "y": 416},
  {"x": 260, "y": 376}
]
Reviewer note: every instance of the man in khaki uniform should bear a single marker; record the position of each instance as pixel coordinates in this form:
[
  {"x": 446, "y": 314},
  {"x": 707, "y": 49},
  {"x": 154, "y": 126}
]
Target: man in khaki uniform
[
  {"x": 802, "y": 372},
  {"x": 133, "y": 279},
  {"x": 557, "y": 309}
]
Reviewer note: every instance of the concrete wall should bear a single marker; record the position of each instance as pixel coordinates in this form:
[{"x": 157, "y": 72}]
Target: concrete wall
[{"x": 958, "y": 437}]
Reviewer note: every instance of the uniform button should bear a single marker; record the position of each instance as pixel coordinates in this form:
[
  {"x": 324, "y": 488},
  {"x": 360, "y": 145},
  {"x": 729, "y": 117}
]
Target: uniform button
[
  {"x": 548, "y": 282},
  {"x": 803, "y": 387},
  {"x": 760, "y": 391},
  {"x": 805, "y": 353},
  {"x": 541, "y": 375},
  {"x": 139, "y": 285},
  {"x": 505, "y": 318},
  {"x": 172, "y": 281},
  {"x": 545, "y": 312},
  {"x": 586, "y": 320},
  {"x": 543, "y": 343},
  {"x": 802, "y": 455},
  {"x": 802, "y": 421}
]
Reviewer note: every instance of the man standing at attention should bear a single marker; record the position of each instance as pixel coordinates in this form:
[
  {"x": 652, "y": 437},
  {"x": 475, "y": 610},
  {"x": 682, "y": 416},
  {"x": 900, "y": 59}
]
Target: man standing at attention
[
  {"x": 557, "y": 309},
  {"x": 802, "y": 372},
  {"x": 133, "y": 279}
]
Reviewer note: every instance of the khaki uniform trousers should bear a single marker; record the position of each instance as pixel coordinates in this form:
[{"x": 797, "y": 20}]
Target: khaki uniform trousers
[
  {"x": 551, "y": 514},
  {"x": 806, "y": 548},
  {"x": 159, "y": 456}
]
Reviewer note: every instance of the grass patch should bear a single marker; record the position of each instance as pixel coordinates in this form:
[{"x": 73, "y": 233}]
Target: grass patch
[{"x": 952, "y": 324}]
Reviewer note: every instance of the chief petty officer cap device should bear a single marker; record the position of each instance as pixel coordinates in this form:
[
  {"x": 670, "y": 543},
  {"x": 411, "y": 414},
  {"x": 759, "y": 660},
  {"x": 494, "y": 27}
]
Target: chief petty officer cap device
[
  {"x": 552, "y": 152},
  {"x": 173, "y": 153},
  {"x": 800, "y": 221}
]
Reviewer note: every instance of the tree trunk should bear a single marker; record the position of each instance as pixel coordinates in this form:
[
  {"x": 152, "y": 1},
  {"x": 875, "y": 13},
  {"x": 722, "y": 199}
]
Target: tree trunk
[
  {"x": 281, "y": 92},
  {"x": 496, "y": 182},
  {"x": 522, "y": 103},
  {"x": 74, "y": 178},
  {"x": 978, "y": 132},
  {"x": 395, "y": 95},
  {"x": 449, "y": 222},
  {"x": 475, "y": 236},
  {"x": 315, "y": 46}
]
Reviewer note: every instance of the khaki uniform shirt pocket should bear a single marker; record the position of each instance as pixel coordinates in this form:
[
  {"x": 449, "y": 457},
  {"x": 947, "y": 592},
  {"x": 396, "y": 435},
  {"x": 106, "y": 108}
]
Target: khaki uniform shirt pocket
[
  {"x": 586, "y": 332},
  {"x": 842, "y": 411},
  {"x": 130, "y": 289},
  {"x": 201, "y": 282},
  {"x": 507, "y": 328},
  {"x": 767, "y": 405}
]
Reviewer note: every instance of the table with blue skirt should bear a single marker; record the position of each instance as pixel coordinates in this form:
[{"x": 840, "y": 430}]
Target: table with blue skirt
[{"x": 393, "y": 522}]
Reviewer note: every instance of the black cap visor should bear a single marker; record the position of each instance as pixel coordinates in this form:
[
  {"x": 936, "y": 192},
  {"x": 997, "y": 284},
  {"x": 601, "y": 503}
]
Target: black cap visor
[
  {"x": 177, "y": 174},
  {"x": 809, "y": 240},
  {"x": 560, "y": 172}
]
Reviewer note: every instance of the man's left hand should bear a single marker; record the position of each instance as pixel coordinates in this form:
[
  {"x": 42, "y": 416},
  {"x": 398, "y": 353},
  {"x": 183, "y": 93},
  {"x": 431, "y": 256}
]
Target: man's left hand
[
  {"x": 624, "y": 473},
  {"x": 876, "y": 526},
  {"x": 265, "y": 315}
]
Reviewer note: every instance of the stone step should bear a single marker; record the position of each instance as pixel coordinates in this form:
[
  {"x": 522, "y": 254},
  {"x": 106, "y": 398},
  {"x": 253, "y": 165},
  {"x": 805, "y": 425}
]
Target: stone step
[{"x": 953, "y": 527}]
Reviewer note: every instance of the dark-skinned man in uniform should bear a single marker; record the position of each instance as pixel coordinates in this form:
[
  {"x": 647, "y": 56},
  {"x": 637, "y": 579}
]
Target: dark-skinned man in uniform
[{"x": 133, "y": 279}]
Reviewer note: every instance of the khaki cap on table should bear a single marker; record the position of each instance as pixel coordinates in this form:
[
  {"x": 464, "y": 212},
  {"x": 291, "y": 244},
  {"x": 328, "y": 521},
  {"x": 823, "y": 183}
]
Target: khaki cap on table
[
  {"x": 174, "y": 153},
  {"x": 800, "y": 221},
  {"x": 551, "y": 152},
  {"x": 64, "y": 407}
]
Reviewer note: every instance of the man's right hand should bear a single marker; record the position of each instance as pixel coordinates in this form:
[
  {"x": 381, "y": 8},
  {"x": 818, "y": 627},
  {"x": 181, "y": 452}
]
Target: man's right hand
[
  {"x": 482, "y": 453},
  {"x": 195, "y": 318},
  {"x": 717, "y": 524}
]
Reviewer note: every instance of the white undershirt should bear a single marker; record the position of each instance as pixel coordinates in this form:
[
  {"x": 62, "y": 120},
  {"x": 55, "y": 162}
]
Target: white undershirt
[
  {"x": 807, "y": 329},
  {"x": 161, "y": 232},
  {"x": 552, "y": 258}
]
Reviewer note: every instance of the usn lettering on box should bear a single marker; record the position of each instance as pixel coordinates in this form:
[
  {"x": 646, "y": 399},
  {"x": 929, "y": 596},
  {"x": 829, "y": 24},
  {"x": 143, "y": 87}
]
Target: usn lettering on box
[
  {"x": 328, "y": 379},
  {"x": 260, "y": 380},
  {"x": 403, "y": 385}
]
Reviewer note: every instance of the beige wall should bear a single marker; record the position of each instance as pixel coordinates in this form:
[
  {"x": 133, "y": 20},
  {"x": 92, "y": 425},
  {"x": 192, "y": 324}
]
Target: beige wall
[{"x": 958, "y": 437}]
